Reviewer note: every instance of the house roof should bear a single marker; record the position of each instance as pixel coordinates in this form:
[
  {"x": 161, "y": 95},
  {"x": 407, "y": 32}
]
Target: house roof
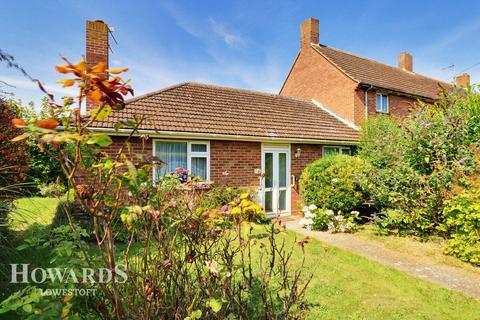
[
  {"x": 208, "y": 109},
  {"x": 371, "y": 72}
]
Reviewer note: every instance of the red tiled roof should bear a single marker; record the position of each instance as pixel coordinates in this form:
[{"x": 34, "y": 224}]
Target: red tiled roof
[
  {"x": 208, "y": 109},
  {"x": 371, "y": 72}
]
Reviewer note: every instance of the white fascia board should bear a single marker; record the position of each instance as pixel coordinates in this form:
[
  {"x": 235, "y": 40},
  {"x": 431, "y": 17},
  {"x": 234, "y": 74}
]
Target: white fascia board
[{"x": 215, "y": 136}]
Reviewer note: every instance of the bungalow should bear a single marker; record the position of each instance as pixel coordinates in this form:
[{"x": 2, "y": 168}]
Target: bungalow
[{"x": 231, "y": 136}]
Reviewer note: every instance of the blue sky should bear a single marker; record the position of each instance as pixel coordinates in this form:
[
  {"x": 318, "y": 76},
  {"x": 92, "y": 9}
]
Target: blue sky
[{"x": 246, "y": 44}]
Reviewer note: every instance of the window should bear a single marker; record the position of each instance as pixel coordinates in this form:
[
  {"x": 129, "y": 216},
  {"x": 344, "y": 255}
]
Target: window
[
  {"x": 193, "y": 156},
  {"x": 328, "y": 150},
  {"x": 382, "y": 103}
]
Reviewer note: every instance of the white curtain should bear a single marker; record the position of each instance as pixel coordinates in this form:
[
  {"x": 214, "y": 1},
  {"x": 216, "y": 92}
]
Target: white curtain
[{"x": 173, "y": 153}]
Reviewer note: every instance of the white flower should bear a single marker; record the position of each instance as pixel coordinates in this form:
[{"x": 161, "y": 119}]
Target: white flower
[
  {"x": 302, "y": 222},
  {"x": 331, "y": 226},
  {"x": 305, "y": 209},
  {"x": 329, "y": 213},
  {"x": 355, "y": 213},
  {"x": 309, "y": 215},
  {"x": 334, "y": 180},
  {"x": 339, "y": 218},
  {"x": 312, "y": 207},
  {"x": 308, "y": 221}
]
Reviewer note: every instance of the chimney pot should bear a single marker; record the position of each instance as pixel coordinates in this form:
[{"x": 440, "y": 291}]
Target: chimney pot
[
  {"x": 462, "y": 80},
  {"x": 405, "y": 61},
  {"x": 309, "y": 33}
]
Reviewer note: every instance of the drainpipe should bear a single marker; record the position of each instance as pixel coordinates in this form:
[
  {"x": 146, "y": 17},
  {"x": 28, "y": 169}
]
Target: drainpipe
[{"x": 366, "y": 101}]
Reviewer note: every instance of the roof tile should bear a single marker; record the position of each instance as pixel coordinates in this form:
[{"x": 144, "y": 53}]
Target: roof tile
[
  {"x": 381, "y": 75},
  {"x": 202, "y": 108}
]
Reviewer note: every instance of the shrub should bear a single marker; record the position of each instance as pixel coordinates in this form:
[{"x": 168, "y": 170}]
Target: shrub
[
  {"x": 335, "y": 182},
  {"x": 53, "y": 190},
  {"x": 183, "y": 261},
  {"x": 415, "y": 160},
  {"x": 325, "y": 219},
  {"x": 462, "y": 220},
  {"x": 462, "y": 215},
  {"x": 219, "y": 196},
  {"x": 41, "y": 166}
]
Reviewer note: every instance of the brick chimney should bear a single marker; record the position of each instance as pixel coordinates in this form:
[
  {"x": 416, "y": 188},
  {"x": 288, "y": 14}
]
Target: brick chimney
[
  {"x": 309, "y": 32},
  {"x": 97, "y": 47},
  {"x": 405, "y": 61},
  {"x": 462, "y": 80}
]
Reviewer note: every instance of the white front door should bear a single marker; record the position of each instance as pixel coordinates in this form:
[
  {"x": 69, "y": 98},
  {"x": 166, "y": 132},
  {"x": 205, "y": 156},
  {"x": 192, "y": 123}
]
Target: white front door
[{"x": 276, "y": 183}]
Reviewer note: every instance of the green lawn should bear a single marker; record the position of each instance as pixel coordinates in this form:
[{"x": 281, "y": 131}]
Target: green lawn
[
  {"x": 32, "y": 210},
  {"x": 347, "y": 286},
  {"x": 344, "y": 286}
]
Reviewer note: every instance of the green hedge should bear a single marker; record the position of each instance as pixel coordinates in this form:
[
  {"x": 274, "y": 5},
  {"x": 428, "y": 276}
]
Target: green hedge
[{"x": 335, "y": 182}]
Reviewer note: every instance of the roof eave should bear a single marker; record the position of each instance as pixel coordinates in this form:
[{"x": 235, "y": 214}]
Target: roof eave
[{"x": 398, "y": 92}]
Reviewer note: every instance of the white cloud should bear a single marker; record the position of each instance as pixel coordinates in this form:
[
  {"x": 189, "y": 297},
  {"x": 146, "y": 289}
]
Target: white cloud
[{"x": 228, "y": 37}]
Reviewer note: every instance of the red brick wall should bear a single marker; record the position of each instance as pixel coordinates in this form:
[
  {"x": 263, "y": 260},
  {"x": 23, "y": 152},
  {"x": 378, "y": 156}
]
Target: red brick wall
[
  {"x": 96, "y": 46},
  {"x": 239, "y": 159},
  {"x": 309, "y": 153},
  {"x": 137, "y": 145},
  {"x": 313, "y": 77},
  {"x": 398, "y": 105}
]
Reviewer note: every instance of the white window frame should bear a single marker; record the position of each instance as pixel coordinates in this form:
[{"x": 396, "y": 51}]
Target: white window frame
[
  {"x": 190, "y": 154},
  {"x": 337, "y": 147},
  {"x": 380, "y": 108}
]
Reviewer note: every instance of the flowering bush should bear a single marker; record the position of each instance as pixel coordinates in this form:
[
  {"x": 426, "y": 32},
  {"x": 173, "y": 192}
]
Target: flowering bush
[
  {"x": 325, "y": 219},
  {"x": 414, "y": 160},
  {"x": 182, "y": 260}
]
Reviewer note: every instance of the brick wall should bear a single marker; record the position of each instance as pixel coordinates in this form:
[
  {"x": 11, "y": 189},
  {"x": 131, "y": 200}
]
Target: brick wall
[
  {"x": 137, "y": 145},
  {"x": 398, "y": 105},
  {"x": 96, "y": 46},
  {"x": 313, "y": 77},
  {"x": 310, "y": 153},
  {"x": 239, "y": 159}
]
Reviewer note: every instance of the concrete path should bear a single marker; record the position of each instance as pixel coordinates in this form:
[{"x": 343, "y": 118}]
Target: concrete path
[{"x": 422, "y": 267}]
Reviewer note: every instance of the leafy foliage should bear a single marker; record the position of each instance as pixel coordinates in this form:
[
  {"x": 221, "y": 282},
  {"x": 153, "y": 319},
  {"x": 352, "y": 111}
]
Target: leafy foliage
[
  {"x": 182, "y": 259},
  {"x": 462, "y": 219},
  {"x": 415, "y": 160},
  {"x": 53, "y": 190},
  {"x": 335, "y": 182}
]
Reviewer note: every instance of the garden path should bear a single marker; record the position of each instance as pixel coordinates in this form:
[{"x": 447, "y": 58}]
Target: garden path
[{"x": 450, "y": 277}]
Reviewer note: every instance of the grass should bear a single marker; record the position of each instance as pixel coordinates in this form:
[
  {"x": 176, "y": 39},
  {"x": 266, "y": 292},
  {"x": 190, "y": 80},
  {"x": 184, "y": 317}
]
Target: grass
[
  {"x": 29, "y": 211},
  {"x": 432, "y": 248},
  {"x": 344, "y": 285},
  {"x": 347, "y": 286}
]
